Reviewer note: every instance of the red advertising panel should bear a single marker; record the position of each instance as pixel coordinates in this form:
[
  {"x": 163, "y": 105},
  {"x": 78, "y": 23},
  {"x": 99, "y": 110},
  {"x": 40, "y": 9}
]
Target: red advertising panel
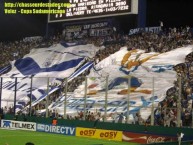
[{"x": 145, "y": 138}]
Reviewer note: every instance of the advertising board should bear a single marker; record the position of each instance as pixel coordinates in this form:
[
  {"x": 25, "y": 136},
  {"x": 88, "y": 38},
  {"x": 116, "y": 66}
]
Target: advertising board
[
  {"x": 146, "y": 138},
  {"x": 10, "y": 124},
  {"x": 99, "y": 133},
  {"x": 56, "y": 129}
]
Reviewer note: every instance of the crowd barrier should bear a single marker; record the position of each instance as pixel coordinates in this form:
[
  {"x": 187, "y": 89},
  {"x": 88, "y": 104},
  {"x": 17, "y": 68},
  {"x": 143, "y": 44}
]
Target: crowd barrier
[
  {"x": 105, "y": 125},
  {"x": 103, "y": 130}
]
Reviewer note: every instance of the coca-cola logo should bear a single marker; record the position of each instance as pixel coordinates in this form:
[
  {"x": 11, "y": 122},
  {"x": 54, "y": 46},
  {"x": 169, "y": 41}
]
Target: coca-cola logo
[{"x": 152, "y": 139}]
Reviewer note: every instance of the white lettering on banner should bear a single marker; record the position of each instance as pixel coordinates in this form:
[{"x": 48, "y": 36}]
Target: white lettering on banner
[
  {"x": 41, "y": 127},
  {"x": 95, "y": 25},
  {"x": 74, "y": 104},
  {"x": 59, "y": 129},
  {"x": 154, "y": 29},
  {"x": 146, "y": 29},
  {"x": 134, "y": 31},
  {"x": 152, "y": 139},
  {"x": 34, "y": 38},
  {"x": 78, "y": 31},
  {"x": 72, "y": 130},
  {"x": 75, "y": 28},
  {"x": 100, "y": 32},
  {"x": 18, "y": 125}
]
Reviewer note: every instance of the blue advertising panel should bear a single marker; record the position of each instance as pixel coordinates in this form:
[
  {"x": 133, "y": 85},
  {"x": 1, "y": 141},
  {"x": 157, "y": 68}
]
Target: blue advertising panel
[{"x": 56, "y": 129}]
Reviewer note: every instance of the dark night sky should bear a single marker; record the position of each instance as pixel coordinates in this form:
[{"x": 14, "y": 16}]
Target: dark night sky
[
  {"x": 171, "y": 12},
  {"x": 19, "y": 26}
]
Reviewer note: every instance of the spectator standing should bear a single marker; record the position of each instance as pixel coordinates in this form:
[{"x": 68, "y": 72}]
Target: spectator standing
[{"x": 120, "y": 118}]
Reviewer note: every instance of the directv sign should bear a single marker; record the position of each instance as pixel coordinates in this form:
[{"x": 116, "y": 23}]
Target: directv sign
[
  {"x": 56, "y": 129},
  {"x": 18, "y": 125}
]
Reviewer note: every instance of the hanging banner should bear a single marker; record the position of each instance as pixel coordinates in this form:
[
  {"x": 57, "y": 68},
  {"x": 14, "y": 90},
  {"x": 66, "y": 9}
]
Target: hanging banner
[
  {"x": 102, "y": 28},
  {"x": 146, "y": 29}
]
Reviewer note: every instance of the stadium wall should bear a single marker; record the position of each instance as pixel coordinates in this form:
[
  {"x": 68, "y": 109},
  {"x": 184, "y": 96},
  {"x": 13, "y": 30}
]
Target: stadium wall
[{"x": 131, "y": 132}]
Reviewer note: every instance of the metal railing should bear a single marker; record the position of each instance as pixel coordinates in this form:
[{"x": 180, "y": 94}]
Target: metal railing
[{"x": 127, "y": 99}]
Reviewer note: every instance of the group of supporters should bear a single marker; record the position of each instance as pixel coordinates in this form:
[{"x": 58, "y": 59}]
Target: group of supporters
[
  {"x": 17, "y": 49},
  {"x": 166, "y": 113},
  {"x": 14, "y": 50}
]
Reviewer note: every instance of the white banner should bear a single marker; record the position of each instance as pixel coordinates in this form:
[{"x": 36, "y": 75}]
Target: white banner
[
  {"x": 58, "y": 61},
  {"x": 10, "y": 124}
]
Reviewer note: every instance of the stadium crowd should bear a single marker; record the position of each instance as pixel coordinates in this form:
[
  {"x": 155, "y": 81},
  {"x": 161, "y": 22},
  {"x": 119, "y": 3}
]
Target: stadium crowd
[
  {"x": 165, "y": 114},
  {"x": 14, "y": 50}
]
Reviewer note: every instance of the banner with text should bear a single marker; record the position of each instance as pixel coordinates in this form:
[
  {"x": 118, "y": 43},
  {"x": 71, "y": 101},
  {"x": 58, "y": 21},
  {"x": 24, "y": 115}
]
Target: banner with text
[
  {"x": 99, "y": 133},
  {"x": 10, "y": 124},
  {"x": 56, "y": 129},
  {"x": 89, "y": 29},
  {"x": 143, "y": 138},
  {"x": 146, "y": 29}
]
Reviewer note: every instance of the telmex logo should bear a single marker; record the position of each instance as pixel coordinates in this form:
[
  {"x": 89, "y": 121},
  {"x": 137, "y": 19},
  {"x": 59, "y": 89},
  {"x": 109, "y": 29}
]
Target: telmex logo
[
  {"x": 108, "y": 135},
  {"x": 88, "y": 132},
  {"x": 6, "y": 123},
  {"x": 18, "y": 125}
]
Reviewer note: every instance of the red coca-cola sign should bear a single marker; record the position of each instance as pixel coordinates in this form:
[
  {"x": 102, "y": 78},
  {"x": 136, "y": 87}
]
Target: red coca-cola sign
[{"x": 146, "y": 138}]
